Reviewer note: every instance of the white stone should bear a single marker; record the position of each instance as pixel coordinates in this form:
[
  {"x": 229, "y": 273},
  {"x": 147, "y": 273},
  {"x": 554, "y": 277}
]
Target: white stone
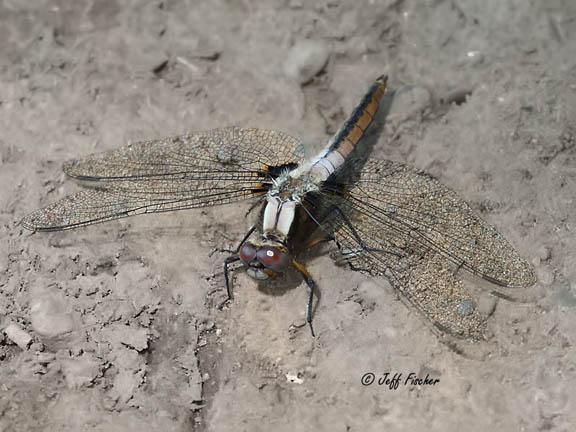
[
  {"x": 18, "y": 335},
  {"x": 294, "y": 378},
  {"x": 306, "y": 59},
  {"x": 49, "y": 318}
]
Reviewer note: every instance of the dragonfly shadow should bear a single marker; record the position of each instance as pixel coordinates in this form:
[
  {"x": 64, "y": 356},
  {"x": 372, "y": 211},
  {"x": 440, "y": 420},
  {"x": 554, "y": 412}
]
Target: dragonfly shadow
[
  {"x": 282, "y": 284},
  {"x": 289, "y": 281}
]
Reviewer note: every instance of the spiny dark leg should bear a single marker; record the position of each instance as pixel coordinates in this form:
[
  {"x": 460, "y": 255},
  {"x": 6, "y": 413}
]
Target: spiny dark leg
[
  {"x": 232, "y": 259},
  {"x": 248, "y": 234},
  {"x": 229, "y": 260},
  {"x": 316, "y": 241},
  {"x": 311, "y": 286},
  {"x": 235, "y": 251},
  {"x": 357, "y": 236},
  {"x": 254, "y": 205}
]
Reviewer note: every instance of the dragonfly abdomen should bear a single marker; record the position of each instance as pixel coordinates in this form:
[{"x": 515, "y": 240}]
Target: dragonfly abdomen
[{"x": 344, "y": 142}]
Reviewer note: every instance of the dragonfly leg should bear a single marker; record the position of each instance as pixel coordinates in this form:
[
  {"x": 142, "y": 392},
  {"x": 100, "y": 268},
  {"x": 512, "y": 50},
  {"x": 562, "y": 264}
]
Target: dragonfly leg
[
  {"x": 317, "y": 240},
  {"x": 311, "y": 285},
  {"x": 256, "y": 204},
  {"x": 357, "y": 236},
  {"x": 232, "y": 259},
  {"x": 229, "y": 260},
  {"x": 235, "y": 251},
  {"x": 248, "y": 234}
]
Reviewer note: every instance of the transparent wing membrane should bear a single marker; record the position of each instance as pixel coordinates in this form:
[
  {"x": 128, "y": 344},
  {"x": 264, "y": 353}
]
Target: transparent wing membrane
[
  {"x": 195, "y": 170},
  {"x": 394, "y": 207},
  {"x": 395, "y": 221},
  {"x": 94, "y": 206}
]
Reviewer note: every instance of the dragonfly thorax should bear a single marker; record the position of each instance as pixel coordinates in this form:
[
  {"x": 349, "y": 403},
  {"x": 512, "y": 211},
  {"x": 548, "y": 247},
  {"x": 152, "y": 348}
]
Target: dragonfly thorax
[
  {"x": 266, "y": 259},
  {"x": 287, "y": 194},
  {"x": 293, "y": 188}
]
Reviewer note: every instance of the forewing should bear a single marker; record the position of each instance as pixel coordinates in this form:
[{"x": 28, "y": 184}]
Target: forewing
[
  {"x": 198, "y": 169},
  {"x": 393, "y": 206},
  {"x": 399, "y": 222}
]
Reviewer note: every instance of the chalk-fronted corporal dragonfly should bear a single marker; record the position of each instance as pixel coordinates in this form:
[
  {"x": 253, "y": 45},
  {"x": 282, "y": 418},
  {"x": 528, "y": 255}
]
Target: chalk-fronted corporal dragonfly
[{"x": 385, "y": 217}]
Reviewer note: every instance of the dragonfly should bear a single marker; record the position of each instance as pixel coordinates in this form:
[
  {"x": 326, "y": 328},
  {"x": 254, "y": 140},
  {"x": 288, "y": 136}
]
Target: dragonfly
[{"x": 386, "y": 218}]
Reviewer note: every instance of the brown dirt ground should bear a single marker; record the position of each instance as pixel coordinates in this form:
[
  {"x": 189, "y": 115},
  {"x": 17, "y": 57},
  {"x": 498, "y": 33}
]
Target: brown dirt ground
[{"x": 125, "y": 330}]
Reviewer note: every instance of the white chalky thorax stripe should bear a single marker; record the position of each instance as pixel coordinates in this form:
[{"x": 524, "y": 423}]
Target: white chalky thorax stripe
[{"x": 278, "y": 215}]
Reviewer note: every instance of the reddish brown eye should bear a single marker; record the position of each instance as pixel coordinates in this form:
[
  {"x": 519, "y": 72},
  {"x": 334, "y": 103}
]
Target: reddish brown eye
[
  {"x": 247, "y": 252},
  {"x": 274, "y": 259}
]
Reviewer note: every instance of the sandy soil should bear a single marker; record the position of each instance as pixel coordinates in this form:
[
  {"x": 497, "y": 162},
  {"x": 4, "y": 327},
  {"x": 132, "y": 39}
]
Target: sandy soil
[{"x": 115, "y": 327}]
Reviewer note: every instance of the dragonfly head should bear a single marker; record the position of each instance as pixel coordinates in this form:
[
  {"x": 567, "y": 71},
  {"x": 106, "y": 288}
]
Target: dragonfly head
[{"x": 265, "y": 261}]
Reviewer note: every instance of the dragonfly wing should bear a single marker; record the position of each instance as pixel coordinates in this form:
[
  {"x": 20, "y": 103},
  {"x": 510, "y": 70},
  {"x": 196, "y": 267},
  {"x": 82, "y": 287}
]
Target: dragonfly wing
[
  {"x": 198, "y": 169},
  {"x": 93, "y": 206},
  {"x": 228, "y": 154},
  {"x": 394, "y": 205},
  {"x": 426, "y": 282},
  {"x": 399, "y": 222}
]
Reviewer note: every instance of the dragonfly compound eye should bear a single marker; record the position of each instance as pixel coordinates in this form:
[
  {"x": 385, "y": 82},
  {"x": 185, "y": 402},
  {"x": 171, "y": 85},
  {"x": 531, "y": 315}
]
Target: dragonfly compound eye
[
  {"x": 274, "y": 259},
  {"x": 247, "y": 252}
]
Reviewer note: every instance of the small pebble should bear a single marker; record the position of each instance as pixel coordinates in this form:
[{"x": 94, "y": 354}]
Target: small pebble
[
  {"x": 465, "y": 308},
  {"x": 545, "y": 276},
  {"x": 293, "y": 378},
  {"x": 76, "y": 350},
  {"x": 487, "y": 305},
  {"x": 299, "y": 323},
  {"x": 18, "y": 335},
  {"x": 37, "y": 347},
  {"x": 306, "y": 59},
  {"x": 409, "y": 101},
  {"x": 48, "y": 317}
]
